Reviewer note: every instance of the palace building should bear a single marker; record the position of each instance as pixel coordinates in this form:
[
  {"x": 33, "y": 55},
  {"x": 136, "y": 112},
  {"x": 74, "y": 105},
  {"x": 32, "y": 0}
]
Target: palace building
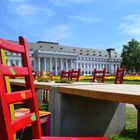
[{"x": 51, "y": 56}]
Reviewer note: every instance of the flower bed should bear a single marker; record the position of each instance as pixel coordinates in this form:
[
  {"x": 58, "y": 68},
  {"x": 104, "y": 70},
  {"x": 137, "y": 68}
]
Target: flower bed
[
  {"x": 109, "y": 78},
  {"x": 126, "y": 78}
]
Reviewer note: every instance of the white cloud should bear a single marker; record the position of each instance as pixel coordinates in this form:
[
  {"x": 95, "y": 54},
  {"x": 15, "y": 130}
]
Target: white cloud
[
  {"x": 117, "y": 46},
  {"x": 110, "y": 2},
  {"x": 86, "y": 20},
  {"x": 17, "y": 0},
  {"x": 28, "y": 14},
  {"x": 57, "y": 33},
  {"x": 131, "y": 25},
  {"x": 60, "y": 32},
  {"x": 28, "y": 10},
  {"x": 27, "y": 17},
  {"x": 67, "y": 2}
]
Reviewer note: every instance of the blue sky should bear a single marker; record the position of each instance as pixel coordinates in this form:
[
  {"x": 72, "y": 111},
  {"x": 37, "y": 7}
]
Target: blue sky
[{"x": 98, "y": 24}]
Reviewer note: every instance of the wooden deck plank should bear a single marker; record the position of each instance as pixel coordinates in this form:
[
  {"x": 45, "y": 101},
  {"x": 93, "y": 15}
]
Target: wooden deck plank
[
  {"x": 111, "y": 92},
  {"x": 125, "y": 93}
]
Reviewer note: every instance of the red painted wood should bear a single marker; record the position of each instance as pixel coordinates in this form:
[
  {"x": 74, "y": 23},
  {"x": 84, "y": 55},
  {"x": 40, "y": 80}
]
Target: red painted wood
[
  {"x": 70, "y": 75},
  {"x": 99, "y": 74},
  {"x": 14, "y": 71},
  {"x": 2, "y": 125},
  {"x": 18, "y": 96},
  {"x": 119, "y": 75},
  {"x": 6, "y": 45},
  {"x": 75, "y": 74},
  {"x": 26, "y": 70},
  {"x": 29, "y": 85},
  {"x": 73, "y": 138},
  {"x": 65, "y": 74},
  {"x": 21, "y": 122}
]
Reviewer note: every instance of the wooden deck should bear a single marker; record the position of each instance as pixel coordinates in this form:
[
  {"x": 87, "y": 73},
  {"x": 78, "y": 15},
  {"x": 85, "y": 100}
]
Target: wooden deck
[{"x": 125, "y": 93}]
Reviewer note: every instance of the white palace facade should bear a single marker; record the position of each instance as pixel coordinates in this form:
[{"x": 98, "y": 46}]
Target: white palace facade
[{"x": 50, "y": 56}]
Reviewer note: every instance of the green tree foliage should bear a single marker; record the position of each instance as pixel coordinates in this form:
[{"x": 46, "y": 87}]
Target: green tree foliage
[{"x": 131, "y": 56}]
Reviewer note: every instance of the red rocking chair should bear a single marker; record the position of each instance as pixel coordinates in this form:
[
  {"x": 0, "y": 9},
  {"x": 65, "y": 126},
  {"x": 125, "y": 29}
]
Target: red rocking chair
[
  {"x": 70, "y": 75},
  {"x": 7, "y": 127},
  {"x": 119, "y": 75},
  {"x": 75, "y": 74},
  {"x": 65, "y": 74},
  {"x": 99, "y": 74}
]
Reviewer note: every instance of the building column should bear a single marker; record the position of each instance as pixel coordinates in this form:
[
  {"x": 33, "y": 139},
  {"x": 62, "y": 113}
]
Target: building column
[
  {"x": 66, "y": 64},
  {"x": 98, "y": 66},
  {"x": 115, "y": 67},
  {"x": 111, "y": 68},
  {"x": 8, "y": 62},
  {"x": 84, "y": 66},
  {"x": 61, "y": 64},
  {"x": 81, "y": 69},
  {"x": 76, "y": 65},
  {"x": 20, "y": 63},
  {"x": 45, "y": 64},
  {"x": 56, "y": 66},
  {"x": 50, "y": 64},
  {"x": 87, "y": 68},
  {"x": 70, "y": 63},
  {"x": 81, "y": 66},
  {"x": 38, "y": 63},
  {"x": 93, "y": 66},
  {"x": 14, "y": 62}
]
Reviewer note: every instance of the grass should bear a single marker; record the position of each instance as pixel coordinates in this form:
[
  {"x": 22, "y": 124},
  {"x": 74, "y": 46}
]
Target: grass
[
  {"x": 130, "y": 132},
  {"x": 43, "y": 106},
  {"x": 111, "y": 81},
  {"x": 63, "y": 81},
  {"x": 124, "y": 82}
]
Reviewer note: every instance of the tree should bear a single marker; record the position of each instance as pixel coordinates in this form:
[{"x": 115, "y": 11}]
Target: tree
[{"x": 131, "y": 56}]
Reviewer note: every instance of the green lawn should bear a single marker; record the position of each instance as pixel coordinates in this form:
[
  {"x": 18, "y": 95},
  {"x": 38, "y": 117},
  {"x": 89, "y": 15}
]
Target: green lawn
[
  {"x": 130, "y": 132},
  {"x": 125, "y": 82},
  {"x": 111, "y": 81}
]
